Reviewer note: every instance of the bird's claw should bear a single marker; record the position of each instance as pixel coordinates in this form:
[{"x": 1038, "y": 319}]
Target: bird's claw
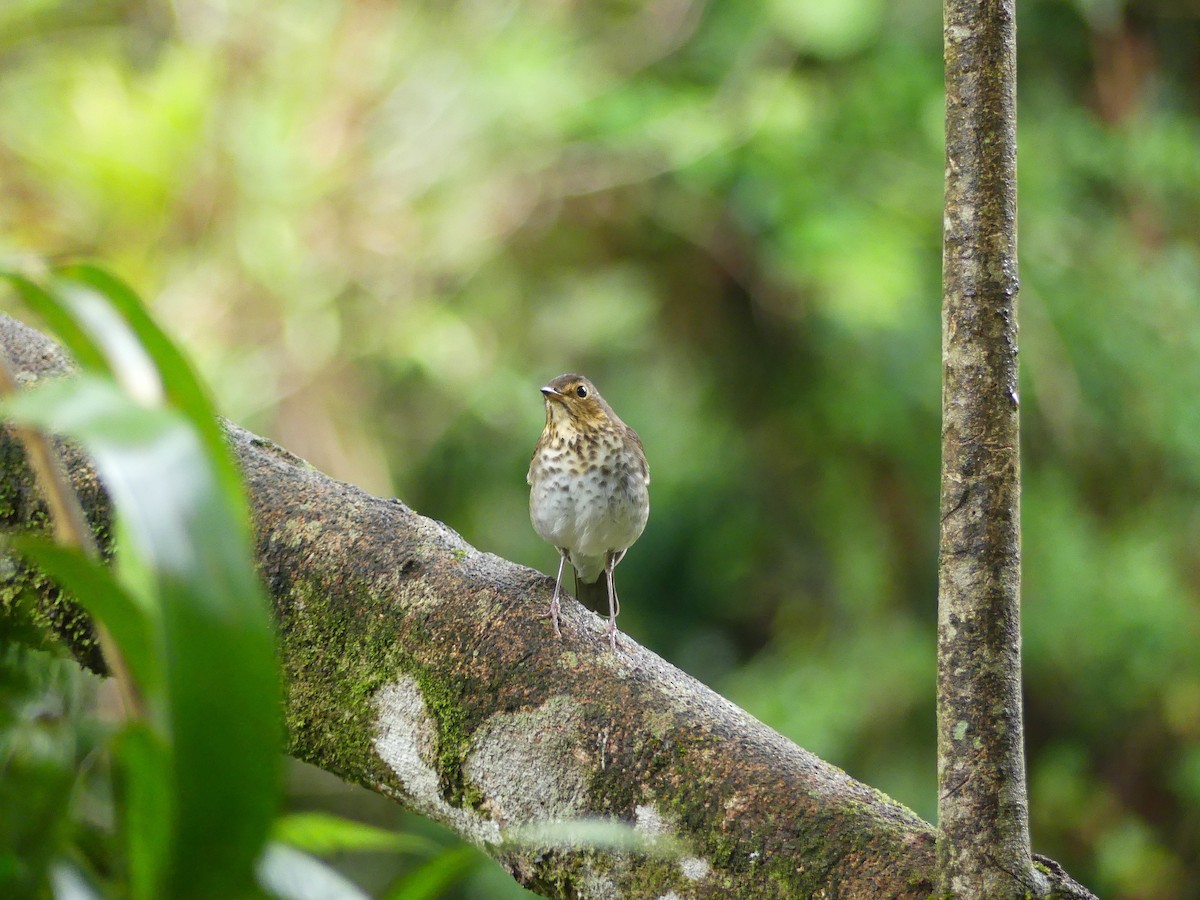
[{"x": 612, "y": 636}]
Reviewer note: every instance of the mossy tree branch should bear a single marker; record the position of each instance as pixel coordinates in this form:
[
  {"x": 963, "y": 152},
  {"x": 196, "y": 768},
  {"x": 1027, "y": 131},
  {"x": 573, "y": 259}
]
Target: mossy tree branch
[{"x": 426, "y": 670}]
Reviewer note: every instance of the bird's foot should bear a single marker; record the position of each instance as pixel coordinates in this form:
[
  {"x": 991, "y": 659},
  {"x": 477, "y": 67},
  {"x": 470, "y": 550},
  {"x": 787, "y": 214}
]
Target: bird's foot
[
  {"x": 611, "y": 631},
  {"x": 555, "y": 609}
]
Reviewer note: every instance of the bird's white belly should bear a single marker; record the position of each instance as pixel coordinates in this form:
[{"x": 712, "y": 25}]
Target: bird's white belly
[{"x": 590, "y": 518}]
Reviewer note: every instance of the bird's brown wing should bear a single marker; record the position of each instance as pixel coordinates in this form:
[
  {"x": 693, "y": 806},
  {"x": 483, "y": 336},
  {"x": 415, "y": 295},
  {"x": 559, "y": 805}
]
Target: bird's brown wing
[{"x": 641, "y": 453}]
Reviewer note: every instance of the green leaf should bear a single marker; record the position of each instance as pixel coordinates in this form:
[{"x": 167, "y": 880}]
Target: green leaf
[
  {"x": 183, "y": 388},
  {"x": 145, "y": 768},
  {"x": 597, "y": 834},
  {"x": 76, "y": 339},
  {"x": 431, "y": 880},
  {"x": 183, "y": 516},
  {"x": 288, "y": 874},
  {"x": 68, "y": 883},
  {"x": 323, "y": 834},
  {"x": 181, "y": 526},
  {"x": 99, "y": 592}
]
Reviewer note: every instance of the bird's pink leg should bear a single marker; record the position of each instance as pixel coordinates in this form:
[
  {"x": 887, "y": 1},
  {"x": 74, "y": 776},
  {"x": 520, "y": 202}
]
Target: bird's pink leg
[
  {"x": 614, "y": 605},
  {"x": 555, "y": 609}
]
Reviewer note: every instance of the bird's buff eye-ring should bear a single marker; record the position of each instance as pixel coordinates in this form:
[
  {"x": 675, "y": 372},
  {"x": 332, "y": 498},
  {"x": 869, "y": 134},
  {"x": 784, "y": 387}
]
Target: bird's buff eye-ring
[{"x": 581, "y": 392}]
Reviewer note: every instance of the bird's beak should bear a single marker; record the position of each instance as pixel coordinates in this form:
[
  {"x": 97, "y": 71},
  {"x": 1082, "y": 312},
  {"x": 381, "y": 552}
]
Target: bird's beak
[{"x": 550, "y": 392}]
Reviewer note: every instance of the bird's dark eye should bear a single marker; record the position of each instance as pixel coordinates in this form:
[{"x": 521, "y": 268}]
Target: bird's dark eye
[{"x": 581, "y": 392}]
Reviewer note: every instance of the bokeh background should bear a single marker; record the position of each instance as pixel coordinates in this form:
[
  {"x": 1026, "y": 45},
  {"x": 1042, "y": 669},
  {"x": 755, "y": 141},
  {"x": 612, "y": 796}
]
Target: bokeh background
[{"x": 378, "y": 227}]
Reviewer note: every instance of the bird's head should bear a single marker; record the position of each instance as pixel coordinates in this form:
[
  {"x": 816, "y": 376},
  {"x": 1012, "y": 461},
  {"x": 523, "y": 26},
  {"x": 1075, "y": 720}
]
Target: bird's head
[{"x": 573, "y": 401}]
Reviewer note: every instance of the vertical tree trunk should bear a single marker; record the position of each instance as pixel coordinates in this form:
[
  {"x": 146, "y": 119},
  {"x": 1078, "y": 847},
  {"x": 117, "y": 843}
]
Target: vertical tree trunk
[{"x": 983, "y": 846}]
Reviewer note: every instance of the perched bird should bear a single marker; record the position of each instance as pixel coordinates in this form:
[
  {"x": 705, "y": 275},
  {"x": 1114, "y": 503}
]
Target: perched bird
[{"x": 589, "y": 490}]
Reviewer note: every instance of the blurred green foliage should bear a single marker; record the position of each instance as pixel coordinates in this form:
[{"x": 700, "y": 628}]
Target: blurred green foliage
[
  {"x": 379, "y": 227},
  {"x": 190, "y": 762}
]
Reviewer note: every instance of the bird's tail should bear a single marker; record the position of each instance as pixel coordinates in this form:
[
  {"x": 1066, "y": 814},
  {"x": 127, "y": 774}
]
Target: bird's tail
[{"x": 595, "y": 595}]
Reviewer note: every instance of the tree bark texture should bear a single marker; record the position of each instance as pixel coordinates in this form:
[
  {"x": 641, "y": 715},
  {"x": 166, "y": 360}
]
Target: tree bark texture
[
  {"x": 983, "y": 844},
  {"x": 426, "y": 670}
]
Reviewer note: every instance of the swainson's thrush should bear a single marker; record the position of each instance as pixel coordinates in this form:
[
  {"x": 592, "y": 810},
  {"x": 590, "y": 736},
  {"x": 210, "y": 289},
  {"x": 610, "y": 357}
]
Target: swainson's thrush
[{"x": 589, "y": 490}]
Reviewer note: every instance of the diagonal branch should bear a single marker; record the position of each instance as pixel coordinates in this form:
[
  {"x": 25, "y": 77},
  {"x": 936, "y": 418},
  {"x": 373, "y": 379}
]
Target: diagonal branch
[{"x": 426, "y": 670}]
